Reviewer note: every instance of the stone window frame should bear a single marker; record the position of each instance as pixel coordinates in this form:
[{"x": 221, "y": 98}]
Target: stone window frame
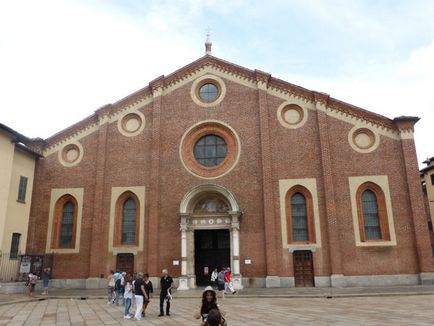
[
  {"x": 208, "y": 79},
  {"x": 113, "y": 242},
  {"x": 57, "y": 222},
  {"x": 120, "y": 202},
  {"x": 382, "y": 211},
  {"x": 309, "y": 214},
  {"x": 383, "y": 183},
  {"x": 196, "y": 132},
  {"x": 311, "y": 185},
  {"x": 56, "y": 194}
]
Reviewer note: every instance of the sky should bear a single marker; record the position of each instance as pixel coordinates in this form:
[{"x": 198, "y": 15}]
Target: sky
[{"x": 61, "y": 60}]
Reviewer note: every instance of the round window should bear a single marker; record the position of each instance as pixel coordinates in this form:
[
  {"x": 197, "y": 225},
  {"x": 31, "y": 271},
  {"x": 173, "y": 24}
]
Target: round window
[
  {"x": 208, "y": 92},
  {"x": 210, "y": 150}
]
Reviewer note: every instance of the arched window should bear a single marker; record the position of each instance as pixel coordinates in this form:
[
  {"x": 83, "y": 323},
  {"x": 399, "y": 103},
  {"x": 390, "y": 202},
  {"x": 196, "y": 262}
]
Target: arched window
[
  {"x": 299, "y": 215},
  {"x": 65, "y": 222},
  {"x": 299, "y": 218},
  {"x": 373, "y": 224},
  {"x": 67, "y": 226},
  {"x": 129, "y": 222}
]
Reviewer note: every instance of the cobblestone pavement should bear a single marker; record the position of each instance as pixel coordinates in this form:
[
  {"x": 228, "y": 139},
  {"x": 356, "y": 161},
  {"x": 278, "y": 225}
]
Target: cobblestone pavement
[{"x": 397, "y": 310}]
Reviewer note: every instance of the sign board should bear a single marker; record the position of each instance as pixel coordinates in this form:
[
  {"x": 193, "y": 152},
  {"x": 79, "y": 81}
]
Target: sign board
[
  {"x": 176, "y": 263},
  {"x": 247, "y": 261}
]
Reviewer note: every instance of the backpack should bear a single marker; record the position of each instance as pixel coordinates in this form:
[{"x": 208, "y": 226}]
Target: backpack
[{"x": 118, "y": 284}]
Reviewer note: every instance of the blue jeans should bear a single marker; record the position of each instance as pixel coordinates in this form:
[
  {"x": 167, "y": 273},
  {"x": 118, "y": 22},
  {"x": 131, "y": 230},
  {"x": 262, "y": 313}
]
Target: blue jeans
[
  {"x": 119, "y": 294},
  {"x": 127, "y": 306}
]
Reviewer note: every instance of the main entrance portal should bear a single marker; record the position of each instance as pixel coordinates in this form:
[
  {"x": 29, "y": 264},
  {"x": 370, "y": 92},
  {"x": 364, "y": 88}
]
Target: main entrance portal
[
  {"x": 212, "y": 250},
  {"x": 210, "y": 235}
]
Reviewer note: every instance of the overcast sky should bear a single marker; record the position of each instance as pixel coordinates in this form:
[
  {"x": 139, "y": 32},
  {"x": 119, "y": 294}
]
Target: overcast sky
[{"x": 61, "y": 60}]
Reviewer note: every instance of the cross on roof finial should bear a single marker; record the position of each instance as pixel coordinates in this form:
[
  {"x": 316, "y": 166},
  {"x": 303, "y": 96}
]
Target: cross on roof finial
[{"x": 208, "y": 43}]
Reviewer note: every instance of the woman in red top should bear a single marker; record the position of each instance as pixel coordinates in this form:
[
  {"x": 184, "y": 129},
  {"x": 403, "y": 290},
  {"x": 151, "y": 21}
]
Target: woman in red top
[{"x": 228, "y": 282}]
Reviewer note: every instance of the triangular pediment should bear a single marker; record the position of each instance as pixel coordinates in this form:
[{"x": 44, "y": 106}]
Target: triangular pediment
[{"x": 163, "y": 85}]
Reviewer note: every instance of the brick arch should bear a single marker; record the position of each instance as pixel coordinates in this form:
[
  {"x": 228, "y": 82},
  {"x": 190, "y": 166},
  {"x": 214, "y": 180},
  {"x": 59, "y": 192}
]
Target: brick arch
[
  {"x": 57, "y": 221},
  {"x": 119, "y": 215}
]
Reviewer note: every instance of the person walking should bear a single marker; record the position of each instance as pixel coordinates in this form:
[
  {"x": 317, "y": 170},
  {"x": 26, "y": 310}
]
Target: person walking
[
  {"x": 149, "y": 291},
  {"x": 128, "y": 295},
  {"x": 139, "y": 295},
  {"x": 46, "y": 275},
  {"x": 214, "y": 275},
  {"x": 221, "y": 282},
  {"x": 209, "y": 303},
  {"x": 110, "y": 286},
  {"x": 228, "y": 283},
  {"x": 165, "y": 293},
  {"x": 119, "y": 287}
]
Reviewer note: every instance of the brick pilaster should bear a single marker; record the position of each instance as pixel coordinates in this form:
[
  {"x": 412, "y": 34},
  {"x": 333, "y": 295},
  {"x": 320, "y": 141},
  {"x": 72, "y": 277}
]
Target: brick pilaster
[
  {"x": 267, "y": 177},
  {"x": 97, "y": 264},
  {"x": 417, "y": 208},
  {"x": 329, "y": 192},
  {"x": 156, "y": 87}
]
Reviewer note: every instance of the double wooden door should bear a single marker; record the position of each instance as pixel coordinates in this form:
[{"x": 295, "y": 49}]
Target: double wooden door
[
  {"x": 303, "y": 268},
  {"x": 125, "y": 263}
]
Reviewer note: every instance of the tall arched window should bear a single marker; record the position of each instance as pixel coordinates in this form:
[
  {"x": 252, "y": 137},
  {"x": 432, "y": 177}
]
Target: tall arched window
[
  {"x": 129, "y": 222},
  {"x": 299, "y": 215},
  {"x": 371, "y": 206},
  {"x": 370, "y": 216},
  {"x": 65, "y": 222},
  {"x": 67, "y": 226},
  {"x": 299, "y": 218}
]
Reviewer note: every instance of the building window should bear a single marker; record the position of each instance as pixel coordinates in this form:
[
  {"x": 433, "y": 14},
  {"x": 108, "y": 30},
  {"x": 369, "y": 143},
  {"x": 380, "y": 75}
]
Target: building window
[
  {"x": 372, "y": 213},
  {"x": 210, "y": 150},
  {"x": 299, "y": 211},
  {"x": 129, "y": 222},
  {"x": 127, "y": 219},
  {"x": 65, "y": 222},
  {"x": 67, "y": 226},
  {"x": 432, "y": 179},
  {"x": 299, "y": 218},
  {"x": 22, "y": 189},
  {"x": 15, "y": 245},
  {"x": 208, "y": 92}
]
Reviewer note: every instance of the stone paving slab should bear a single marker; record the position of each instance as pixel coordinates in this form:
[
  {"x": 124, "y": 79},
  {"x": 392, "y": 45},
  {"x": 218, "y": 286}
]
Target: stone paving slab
[{"x": 396, "y": 310}]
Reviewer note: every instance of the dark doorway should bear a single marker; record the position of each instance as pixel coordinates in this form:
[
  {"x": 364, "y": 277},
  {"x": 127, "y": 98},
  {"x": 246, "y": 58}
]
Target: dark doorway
[
  {"x": 303, "y": 268},
  {"x": 211, "y": 250},
  {"x": 125, "y": 263}
]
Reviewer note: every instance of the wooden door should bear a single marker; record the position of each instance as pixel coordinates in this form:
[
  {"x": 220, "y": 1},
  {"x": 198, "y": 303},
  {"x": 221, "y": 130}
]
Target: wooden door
[
  {"x": 125, "y": 263},
  {"x": 303, "y": 268}
]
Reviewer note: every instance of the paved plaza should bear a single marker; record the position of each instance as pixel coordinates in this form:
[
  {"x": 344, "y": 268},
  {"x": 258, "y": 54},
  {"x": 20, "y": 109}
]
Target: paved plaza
[{"x": 380, "y": 310}]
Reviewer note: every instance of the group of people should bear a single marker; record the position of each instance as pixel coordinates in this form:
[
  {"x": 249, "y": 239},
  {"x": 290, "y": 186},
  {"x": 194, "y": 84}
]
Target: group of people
[
  {"x": 126, "y": 288},
  {"x": 222, "y": 281},
  {"x": 32, "y": 279}
]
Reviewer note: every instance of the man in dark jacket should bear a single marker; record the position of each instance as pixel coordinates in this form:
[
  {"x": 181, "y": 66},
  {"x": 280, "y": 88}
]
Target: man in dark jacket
[{"x": 165, "y": 293}]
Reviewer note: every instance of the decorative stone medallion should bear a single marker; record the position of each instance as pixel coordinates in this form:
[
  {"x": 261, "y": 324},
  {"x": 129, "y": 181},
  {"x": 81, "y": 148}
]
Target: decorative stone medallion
[
  {"x": 71, "y": 154},
  {"x": 131, "y": 124},
  {"x": 291, "y": 115},
  {"x": 363, "y": 140}
]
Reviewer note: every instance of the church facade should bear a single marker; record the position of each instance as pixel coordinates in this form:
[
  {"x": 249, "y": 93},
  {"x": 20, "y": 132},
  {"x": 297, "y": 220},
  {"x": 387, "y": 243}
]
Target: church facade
[{"x": 218, "y": 166}]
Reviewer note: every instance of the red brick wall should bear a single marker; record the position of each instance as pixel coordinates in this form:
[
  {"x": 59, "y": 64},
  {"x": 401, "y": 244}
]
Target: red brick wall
[{"x": 151, "y": 159}]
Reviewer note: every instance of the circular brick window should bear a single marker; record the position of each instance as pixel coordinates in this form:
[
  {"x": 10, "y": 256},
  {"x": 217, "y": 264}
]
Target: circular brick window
[
  {"x": 71, "y": 154},
  {"x": 208, "y": 90},
  {"x": 363, "y": 140},
  {"x": 209, "y": 149}
]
